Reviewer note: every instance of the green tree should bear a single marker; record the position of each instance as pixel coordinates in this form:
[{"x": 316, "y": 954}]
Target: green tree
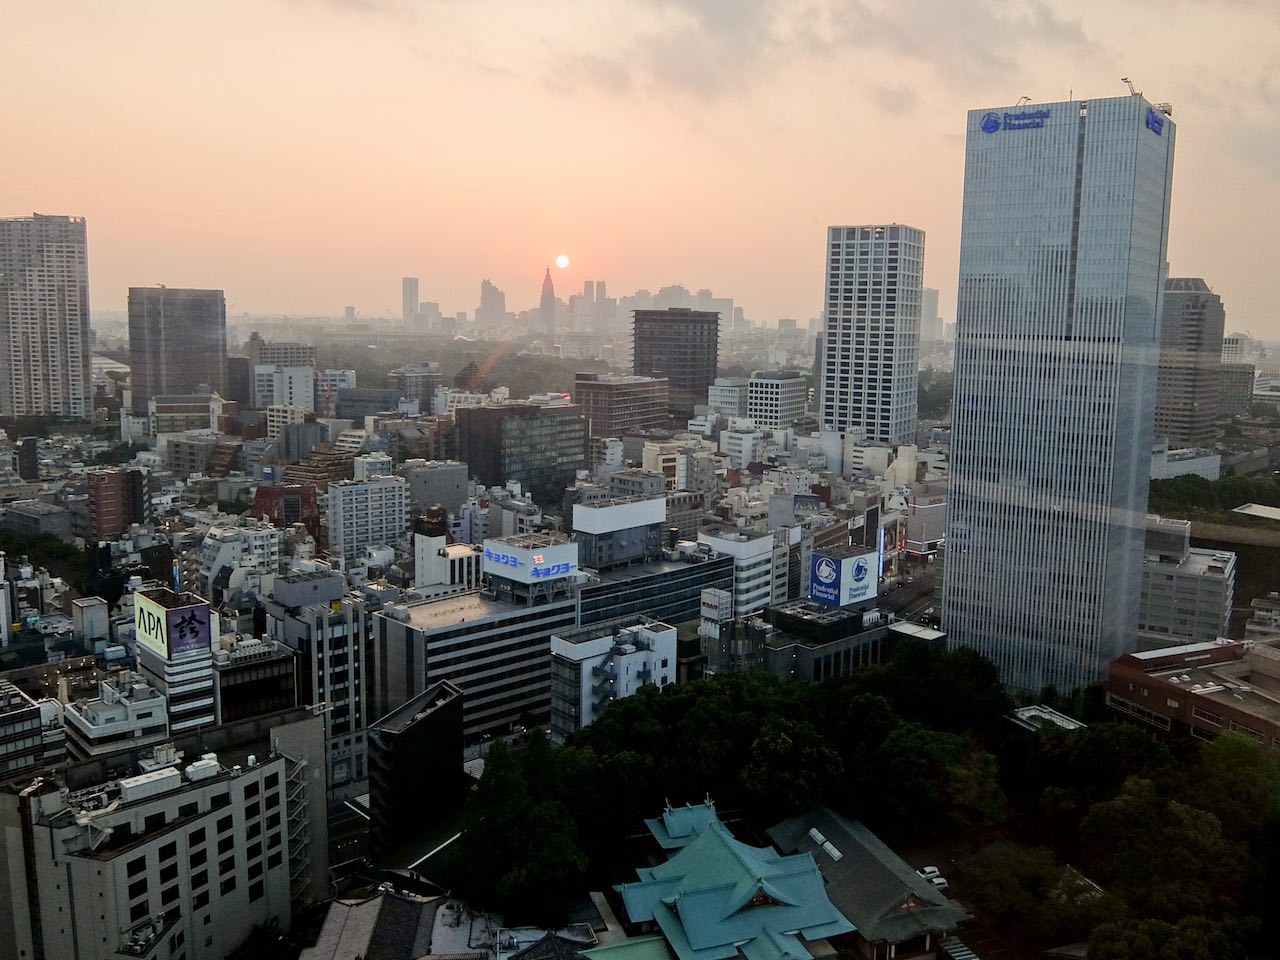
[
  {"x": 791, "y": 767},
  {"x": 1191, "y": 938},
  {"x": 1164, "y": 858},
  {"x": 1237, "y": 781}
]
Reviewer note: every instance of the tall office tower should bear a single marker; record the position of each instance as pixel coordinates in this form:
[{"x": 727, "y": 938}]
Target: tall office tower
[
  {"x": 1190, "y": 362},
  {"x": 871, "y": 344},
  {"x": 177, "y": 343},
  {"x": 682, "y": 345},
  {"x": 930, "y": 322},
  {"x": 493, "y": 305},
  {"x": 45, "y": 366},
  {"x": 409, "y": 298},
  {"x": 1062, "y": 259},
  {"x": 547, "y": 305}
]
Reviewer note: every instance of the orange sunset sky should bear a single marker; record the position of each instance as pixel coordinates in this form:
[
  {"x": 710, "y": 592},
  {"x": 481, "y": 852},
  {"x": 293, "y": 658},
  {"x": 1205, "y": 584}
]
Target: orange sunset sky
[{"x": 305, "y": 154}]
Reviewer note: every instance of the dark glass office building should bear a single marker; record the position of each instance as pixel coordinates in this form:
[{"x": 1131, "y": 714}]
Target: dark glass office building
[{"x": 177, "y": 343}]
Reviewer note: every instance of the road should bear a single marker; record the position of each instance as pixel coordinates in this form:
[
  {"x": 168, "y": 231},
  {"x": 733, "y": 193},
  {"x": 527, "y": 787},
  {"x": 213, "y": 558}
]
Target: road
[{"x": 909, "y": 601}]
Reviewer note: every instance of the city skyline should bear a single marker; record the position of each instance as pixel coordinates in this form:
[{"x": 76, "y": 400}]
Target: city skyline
[{"x": 273, "y": 203}]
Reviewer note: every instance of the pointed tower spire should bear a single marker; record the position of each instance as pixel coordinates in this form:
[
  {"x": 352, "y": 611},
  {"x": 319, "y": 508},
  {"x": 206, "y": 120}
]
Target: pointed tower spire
[{"x": 547, "y": 306}]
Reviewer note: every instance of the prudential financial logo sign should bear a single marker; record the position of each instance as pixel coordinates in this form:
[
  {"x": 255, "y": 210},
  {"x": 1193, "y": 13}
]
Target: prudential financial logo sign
[
  {"x": 840, "y": 582},
  {"x": 1016, "y": 120}
]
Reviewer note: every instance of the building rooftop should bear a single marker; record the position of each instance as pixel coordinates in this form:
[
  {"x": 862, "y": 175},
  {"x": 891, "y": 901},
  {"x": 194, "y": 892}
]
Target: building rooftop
[
  {"x": 534, "y": 541},
  {"x": 1259, "y": 510},
  {"x": 615, "y": 630},
  {"x": 452, "y": 610},
  {"x": 413, "y": 710}
]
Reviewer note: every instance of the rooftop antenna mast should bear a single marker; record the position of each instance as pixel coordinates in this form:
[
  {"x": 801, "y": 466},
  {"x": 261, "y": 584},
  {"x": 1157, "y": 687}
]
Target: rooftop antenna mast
[
  {"x": 1132, "y": 91},
  {"x": 1022, "y": 99}
]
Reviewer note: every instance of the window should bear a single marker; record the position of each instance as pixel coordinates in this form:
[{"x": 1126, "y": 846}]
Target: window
[
  {"x": 200, "y": 878},
  {"x": 224, "y": 824},
  {"x": 199, "y": 901},
  {"x": 169, "y": 851},
  {"x": 136, "y": 866},
  {"x": 195, "y": 837},
  {"x": 227, "y": 886},
  {"x": 138, "y": 889},
  {"x": 255, "y": 891},
  {"x": 226, "y": 845},
  {"x": 227, "y": 865},
  {"x": 169, "y": 873},
  {"x": 138, "y": 912},
  {"x": 199, "y": 857}
]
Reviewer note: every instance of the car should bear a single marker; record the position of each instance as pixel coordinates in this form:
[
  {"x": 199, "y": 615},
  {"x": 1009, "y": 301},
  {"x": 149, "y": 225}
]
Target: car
[
  {"x": 929, "y": 872},
  {"x": 940, "y": 883}
]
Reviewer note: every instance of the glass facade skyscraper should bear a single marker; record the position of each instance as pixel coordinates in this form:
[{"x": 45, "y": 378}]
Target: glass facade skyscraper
[{"x": 1062, "y": 263}]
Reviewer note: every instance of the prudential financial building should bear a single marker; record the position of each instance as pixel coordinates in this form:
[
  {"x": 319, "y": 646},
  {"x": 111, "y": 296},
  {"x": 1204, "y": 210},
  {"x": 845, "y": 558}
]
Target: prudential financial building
[{"x": 1062, "y": 262}]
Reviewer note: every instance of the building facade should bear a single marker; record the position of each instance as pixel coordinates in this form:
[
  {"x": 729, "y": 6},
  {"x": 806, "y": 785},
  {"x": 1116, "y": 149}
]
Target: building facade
[
  {"x": 177, "y": 343},
  {"x": 1190, "y": 363},
  {"x": 1187, "y": 592},
  {"x": 541, "y": 448},
  {"x": 871, "y": 339},
  {"x": 682, "y": 345},
  {"x": 776, "y": 398},
  {"x": 1063, "y": 252},
  {"x": 45, "y": 361},
  {"x": 616, "y": 403},
  {"x": 366, "y": 513}
]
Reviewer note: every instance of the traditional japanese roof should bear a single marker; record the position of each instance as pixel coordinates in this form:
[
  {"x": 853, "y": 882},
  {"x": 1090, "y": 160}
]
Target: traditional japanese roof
[
  {"x": 718, "y": 897},
  {"x": 678, "y": 825},
  {"x": 869, "y": 883}
]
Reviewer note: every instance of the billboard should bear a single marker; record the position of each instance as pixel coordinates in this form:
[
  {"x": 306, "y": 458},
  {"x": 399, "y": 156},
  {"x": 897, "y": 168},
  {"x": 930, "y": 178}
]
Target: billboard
[
  {"x": 550, "y": 562},
  {"x": 840, "y": 581},
  {"x": 170, "y": 632}
]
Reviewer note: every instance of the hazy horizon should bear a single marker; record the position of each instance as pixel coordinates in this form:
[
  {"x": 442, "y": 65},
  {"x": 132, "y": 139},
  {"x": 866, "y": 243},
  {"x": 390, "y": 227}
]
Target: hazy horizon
[{"x": 303, "y": 155}]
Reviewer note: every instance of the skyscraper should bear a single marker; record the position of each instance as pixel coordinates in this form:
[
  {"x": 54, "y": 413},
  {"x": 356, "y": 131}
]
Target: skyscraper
[
  {"x": 45, "y": 367},
  {"x": 547, "y": 305},
  {"x": 1190, "y": 362},
  {"x": 682, "y": 345},
  {"x": 409, "y": 300},
  {"x": 871, "y": 342},
  {"x": 177, "y": 343},
  {"x": 1062, "y": 256}
]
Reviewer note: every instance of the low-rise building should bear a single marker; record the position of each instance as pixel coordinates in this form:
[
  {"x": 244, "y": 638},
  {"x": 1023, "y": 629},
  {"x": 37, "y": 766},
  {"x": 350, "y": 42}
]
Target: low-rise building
[
  {"x": 129, "y": 712},
  {"x": 591, "y": 668},
  {"x": 1187, "y": 592}
]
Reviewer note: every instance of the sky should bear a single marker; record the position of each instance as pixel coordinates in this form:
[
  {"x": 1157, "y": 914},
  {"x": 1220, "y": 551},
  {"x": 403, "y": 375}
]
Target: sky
[{"x": 304, "y": 155}]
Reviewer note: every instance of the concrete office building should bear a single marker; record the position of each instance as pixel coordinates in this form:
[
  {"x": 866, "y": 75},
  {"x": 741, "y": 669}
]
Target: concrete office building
[
  {"x": 177, "y": 343},
  {"x": 541, "y": 448},
  {"x": 1062, "y": 260},
  {"x": 776, "y": 398},
  {"x": 37, "y": 518},
  {"x": 279, "y": 353},
  {"x": 128, "y": 713},
  {"x": 682, "y": 345},
  {"x": 871, "y": 340},
  {"x": 759, "y": 566},
  {"x": 1187, "y": 592},
  {"x": 494, "y": 646},
  {"x": 434, "y": 483},
  {"x": 1235, "y": 389},
  {"x": 728, "y": 396},
  {"x": 930, "y": 323},
  {"x": 274, "y": 384},
  {"x": 253, "y": 677},
  {"x": 416, "y": 382},
  {"x": 227, "y": 549},
  {"x": 591, "y": 668},
  {"x": 669, "y": 589},
  {"x": 45, "y": 362},
  {"x": 366, "y": 513},
  {"x": 31, "y": 734},
  {"x": 313, "y": 614},
  {"x": 160, "y": 858},
  {"x": 616, "y": 403},
  {"x": 1190, "y": 363}
]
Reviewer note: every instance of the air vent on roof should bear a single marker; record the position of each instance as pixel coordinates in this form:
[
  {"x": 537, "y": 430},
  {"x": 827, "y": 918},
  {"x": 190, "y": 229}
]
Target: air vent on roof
[
  {"x": 815, "y": 836},
  {"x": 832, "y": 852}
]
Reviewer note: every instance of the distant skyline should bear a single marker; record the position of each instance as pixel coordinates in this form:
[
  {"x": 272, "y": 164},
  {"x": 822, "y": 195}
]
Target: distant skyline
[{"x": 303, "y": 155}]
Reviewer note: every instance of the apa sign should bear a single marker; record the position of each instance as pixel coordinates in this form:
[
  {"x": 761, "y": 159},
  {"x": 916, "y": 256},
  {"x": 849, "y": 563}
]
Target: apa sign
[
  {"x": 840, "y": 581},
  {"x": 170, "y": 631}
]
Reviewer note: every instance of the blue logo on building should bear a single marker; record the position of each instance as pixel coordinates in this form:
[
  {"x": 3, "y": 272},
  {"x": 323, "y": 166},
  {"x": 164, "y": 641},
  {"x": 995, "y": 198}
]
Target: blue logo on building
[
  {"x": 991, "y": 123},
  {"x": 824, "y": 581},
  {"x": 1155, "y": 121},
  {"x": 827, "y": 571},
  {"x": 860, "y": 570},
  {"x": 1017, "y": 120}
]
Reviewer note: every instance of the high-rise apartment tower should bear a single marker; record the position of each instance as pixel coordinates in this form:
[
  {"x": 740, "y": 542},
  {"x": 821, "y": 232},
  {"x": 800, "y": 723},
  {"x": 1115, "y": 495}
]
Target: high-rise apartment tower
[
  {"x": 44, "y": 318},
  {"x": 871, "y": 341},
  {"x": 1062, "y": 261}
]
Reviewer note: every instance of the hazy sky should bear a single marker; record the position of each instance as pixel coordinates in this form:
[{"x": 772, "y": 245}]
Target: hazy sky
[{"x": 305, "y": 154}]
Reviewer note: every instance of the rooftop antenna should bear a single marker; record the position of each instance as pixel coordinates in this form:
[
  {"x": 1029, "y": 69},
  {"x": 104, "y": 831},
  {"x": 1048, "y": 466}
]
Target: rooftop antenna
[
  {"x": 1021, "y": 100},
  {"x": 1132, "y": 91}
]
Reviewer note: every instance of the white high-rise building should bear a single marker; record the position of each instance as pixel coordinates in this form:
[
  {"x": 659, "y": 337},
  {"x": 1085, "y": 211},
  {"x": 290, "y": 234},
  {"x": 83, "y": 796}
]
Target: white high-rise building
[
  {"x": 366, "y": 513},
  {"x": 930, "y": 322},
  {"x": 45, "y": 367},
  {"x": 870, "y": 354},
  {"x": 1062, "y": 262},
  {"x": 274, "y": 384}
]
